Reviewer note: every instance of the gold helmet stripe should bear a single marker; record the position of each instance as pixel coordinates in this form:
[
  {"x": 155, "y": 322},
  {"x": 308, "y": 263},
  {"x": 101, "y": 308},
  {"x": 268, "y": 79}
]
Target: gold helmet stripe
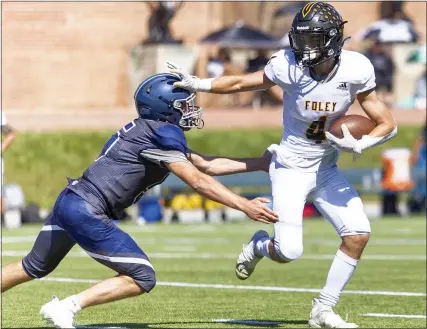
[{"x": 307, "y": 8}]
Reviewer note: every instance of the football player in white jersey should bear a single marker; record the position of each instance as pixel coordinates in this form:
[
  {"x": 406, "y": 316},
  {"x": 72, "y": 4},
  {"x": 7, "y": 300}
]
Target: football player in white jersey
[{"x": 320, "y": 81}]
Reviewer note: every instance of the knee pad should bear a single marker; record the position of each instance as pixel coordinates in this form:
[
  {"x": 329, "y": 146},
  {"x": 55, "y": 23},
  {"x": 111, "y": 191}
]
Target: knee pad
[
  {"x": 287, "y": 251},
  {"x": 144, "y": 276},
  {"x": 36, "y": 267}
]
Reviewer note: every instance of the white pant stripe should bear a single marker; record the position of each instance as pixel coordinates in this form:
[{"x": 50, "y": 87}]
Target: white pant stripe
[
  {"x": 52, "y": 228},
  {"x": 130, "y": 260}
]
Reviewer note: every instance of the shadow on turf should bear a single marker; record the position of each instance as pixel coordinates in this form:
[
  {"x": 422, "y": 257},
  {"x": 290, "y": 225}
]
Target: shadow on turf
[
  {"x": 187, "y": 324},
  {"x": 158, "y": 325}
]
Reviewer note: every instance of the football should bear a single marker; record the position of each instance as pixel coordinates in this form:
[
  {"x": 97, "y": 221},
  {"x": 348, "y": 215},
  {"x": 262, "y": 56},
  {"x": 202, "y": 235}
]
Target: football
[{"x": 357, "y": 125}]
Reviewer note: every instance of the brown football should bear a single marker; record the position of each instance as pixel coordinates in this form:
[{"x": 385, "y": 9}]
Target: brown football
[{"x": 357, "y": 124}]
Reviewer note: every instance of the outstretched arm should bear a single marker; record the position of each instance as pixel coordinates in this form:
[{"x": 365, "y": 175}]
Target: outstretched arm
[
  {"x": 238, "y": 83},
  {"x": 218, "y": 166},
  {"x": 222, "y": 85},
  {"x": 212, "y": 189}
]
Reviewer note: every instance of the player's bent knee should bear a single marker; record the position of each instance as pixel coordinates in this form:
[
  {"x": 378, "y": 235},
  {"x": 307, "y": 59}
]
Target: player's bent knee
[
  {"x": 359, "y": 240},
  {"x": 288, "y": 252},
  {"x": 36, "y": 267},
  {"x": 144, "y": 277}
]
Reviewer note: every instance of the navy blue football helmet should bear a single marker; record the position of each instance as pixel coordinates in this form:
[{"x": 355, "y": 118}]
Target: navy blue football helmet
[{"x": 157, "y": 99}]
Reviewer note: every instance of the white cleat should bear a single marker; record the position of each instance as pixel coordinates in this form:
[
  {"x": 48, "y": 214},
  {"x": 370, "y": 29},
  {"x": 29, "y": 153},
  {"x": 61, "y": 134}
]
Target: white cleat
[
  {"x": 57, "y": 314},
  {"x": 247, "y": 259},
  {"x": 322, "y": 316}
]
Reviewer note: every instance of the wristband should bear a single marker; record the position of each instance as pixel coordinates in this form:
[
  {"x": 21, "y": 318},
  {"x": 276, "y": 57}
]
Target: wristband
[{"x": 205, "y": 84}]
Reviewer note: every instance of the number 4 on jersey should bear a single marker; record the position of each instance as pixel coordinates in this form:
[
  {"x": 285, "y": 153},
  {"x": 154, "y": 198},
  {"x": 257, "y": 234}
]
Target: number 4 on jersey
[{"x": 316, "y": 130}]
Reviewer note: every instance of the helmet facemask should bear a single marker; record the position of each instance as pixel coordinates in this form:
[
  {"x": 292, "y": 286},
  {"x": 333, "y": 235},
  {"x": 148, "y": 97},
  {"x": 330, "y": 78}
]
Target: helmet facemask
[
  {"x": 314, "y": 47},
  {"x": 191, "y": 114}
]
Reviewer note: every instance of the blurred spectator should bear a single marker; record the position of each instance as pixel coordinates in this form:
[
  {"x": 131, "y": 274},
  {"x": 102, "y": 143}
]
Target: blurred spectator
[
  {"x": 420, "y": 91},
  {"x": 418, "y": 98},
  {"x": 418, "y": 56},
  {"x": 257, "y": 63},
  {"x": 393, "y": 27},
  {"x": 8, "y": 135},
  {"x": 384, "y": 71},
  {"x": 158, "y": 24},
  {"x": 263, "y": 97},
  {"x": 396, "y": 178},
  {"x": 217, "y": 66},
  {"x": 417, "y": 198}
]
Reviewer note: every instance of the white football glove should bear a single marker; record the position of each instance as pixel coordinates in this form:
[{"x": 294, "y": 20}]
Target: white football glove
[
  {"x": 189, "y": 82},
  {"x": 347, "y": 144},
  {"x": 350, "y": 144}
]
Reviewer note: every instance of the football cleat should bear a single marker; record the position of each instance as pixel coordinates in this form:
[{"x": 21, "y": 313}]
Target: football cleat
[
  {"x": 55, "y": 313},
  {"x": 322, "y": 316},
  {"x": 247, "y": 259}
]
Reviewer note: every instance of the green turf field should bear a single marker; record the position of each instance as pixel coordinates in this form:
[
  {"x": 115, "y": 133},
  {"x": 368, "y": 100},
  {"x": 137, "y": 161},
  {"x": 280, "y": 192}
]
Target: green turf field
[{"x": 197, "y": 287}]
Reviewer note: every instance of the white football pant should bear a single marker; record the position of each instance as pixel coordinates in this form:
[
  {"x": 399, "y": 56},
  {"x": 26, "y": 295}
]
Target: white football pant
[{"x": 334, "y": 197}]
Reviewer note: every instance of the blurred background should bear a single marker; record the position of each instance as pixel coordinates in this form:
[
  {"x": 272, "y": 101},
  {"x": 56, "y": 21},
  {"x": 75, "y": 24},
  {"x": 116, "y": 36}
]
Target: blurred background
[{"x": 69, "y": 71}]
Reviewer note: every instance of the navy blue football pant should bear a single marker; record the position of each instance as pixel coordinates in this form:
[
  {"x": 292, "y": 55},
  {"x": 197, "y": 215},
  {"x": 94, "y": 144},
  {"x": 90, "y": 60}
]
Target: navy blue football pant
[{"x": 72, "y": 221}]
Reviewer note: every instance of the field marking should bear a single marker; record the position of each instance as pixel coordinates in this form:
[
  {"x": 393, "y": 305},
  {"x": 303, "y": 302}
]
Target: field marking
[
  {"x": 221, "y": 241},
  {"x": 99, "y": 327},
  {"x": 249, "y": 322},
  {"x": 208, "y": 255},
  {"x": 386, "y": 315},
  {"x": 262, "y": 288},
  {"x": 184, "y": 248}
]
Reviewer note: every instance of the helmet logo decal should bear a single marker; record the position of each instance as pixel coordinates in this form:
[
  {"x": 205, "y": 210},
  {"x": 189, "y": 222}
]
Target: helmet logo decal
[{"x": 307, "y": 8}]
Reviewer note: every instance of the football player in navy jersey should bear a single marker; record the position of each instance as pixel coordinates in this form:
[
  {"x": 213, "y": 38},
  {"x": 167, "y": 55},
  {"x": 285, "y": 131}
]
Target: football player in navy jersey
[{"x": 137, "y": 157}]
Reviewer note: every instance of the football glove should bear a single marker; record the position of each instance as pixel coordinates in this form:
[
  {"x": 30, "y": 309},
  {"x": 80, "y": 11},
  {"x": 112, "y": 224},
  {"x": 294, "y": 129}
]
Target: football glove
[
  {"x": 189, "y": 82},
  {"x": 350, "y": 144},
  {"x": 347, "y": 144}
]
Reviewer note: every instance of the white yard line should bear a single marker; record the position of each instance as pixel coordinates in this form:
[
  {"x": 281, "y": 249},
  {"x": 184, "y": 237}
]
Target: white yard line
[
  {"x": 99, "y": 327},
  {"x": 179, "y": 248},
  {"x": 262, "y": 288},
  {"x": 404, "y": 316},
  {"x": 223, "y": 241},
  {"x": 248, "y": 322},
  {"x": 208, "y": 255}
]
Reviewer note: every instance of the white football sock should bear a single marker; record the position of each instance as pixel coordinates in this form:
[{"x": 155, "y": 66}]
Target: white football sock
[
  {"x": 261, "y": 247},
  {"x": 340, "y": 273},
  {"x": 72, "y": 303}
]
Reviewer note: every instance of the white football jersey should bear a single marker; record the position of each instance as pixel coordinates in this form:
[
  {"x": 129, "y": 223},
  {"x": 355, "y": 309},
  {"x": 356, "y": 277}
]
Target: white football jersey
[{"x": 310, "y": 106}]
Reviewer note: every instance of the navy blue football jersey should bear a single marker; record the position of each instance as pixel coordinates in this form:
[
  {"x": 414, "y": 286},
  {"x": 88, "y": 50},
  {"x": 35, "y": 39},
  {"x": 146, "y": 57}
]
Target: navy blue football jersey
[{"x": 131, "y": 162}]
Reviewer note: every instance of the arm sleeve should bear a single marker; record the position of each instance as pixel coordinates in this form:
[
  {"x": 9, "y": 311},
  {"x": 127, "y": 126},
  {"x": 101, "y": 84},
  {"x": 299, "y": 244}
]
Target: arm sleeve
[
  {"x": 367, "y": 77},
  {"x": 164, "y": 156},
  {"x": 169, "y": 145},
  {"x": 269, "y": 71}
]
